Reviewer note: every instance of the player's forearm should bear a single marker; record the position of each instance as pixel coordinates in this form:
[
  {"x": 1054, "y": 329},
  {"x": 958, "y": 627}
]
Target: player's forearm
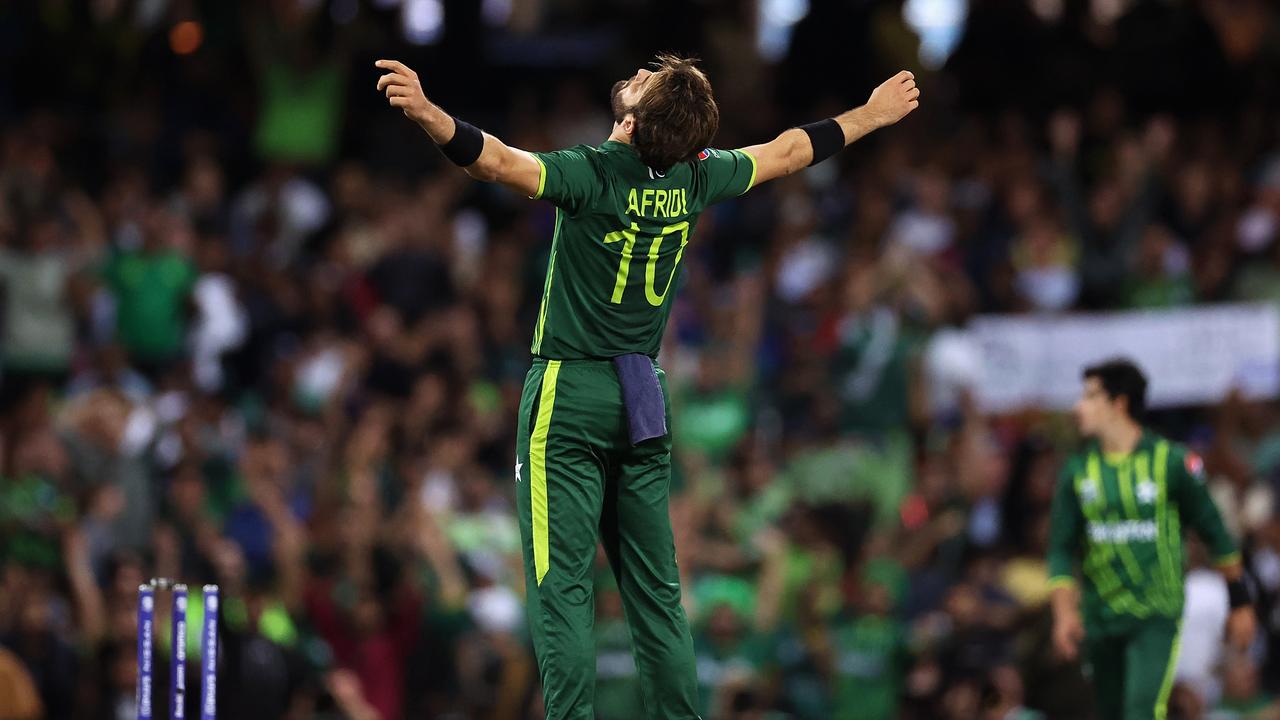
[
  {"x": 441, "y": 126},
  {"x": 497, "y": 161},
  {"x": 857, "y": 123},
  {"x": 1239, "y": 595},
  {"x": 436, "y": 122},
  {"x": 1064, "y": 600},
  {"x": 786, "y": 154},
  {"x": 798, "y": 145},
  {"x": 854, "y": 124},
  {"x": 794, "y": 149},
  {"x": 493, "y": 162}
]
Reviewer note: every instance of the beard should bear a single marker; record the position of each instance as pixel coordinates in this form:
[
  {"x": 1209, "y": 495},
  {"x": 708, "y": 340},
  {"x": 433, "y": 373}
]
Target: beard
[{"x": 620, "y": 110}]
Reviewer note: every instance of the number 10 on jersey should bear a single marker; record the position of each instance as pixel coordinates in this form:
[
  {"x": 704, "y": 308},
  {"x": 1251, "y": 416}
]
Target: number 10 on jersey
[{"x": 628, "y": 238}]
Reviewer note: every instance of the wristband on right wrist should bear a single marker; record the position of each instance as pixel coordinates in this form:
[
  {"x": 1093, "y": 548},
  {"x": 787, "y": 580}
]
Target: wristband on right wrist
[{"x": 1238, "y": 593}]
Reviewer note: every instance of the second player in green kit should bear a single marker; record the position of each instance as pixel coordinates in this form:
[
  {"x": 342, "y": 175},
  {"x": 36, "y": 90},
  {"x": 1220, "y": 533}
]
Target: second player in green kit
[
  {"x": 593, "y": 456},
  {"x": 1120, "y": 509}
]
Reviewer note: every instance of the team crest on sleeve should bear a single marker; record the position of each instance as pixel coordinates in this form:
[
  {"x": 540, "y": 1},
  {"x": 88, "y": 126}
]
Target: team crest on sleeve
[{"x": 1195, "y": 465}]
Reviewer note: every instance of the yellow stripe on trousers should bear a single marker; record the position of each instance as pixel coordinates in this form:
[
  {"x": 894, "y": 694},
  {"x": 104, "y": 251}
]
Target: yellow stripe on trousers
[
  {"x": 538, "y": 470},
  {"x": 1166, "y": 687}
]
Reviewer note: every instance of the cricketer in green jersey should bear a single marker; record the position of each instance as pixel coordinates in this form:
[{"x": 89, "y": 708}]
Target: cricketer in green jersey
[
  {"x": 593, "y": 455},
  {"x": 1119, "y": 509}
]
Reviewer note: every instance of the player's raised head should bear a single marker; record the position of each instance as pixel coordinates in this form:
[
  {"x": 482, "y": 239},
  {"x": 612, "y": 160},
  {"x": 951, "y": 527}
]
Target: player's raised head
[
  {"x": 1112, "y": 390},
  {"x": 670, "y": 111}
]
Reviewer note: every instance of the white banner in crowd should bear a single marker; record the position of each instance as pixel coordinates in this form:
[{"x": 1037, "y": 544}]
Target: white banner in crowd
[{"x": 1190, "y": 356}]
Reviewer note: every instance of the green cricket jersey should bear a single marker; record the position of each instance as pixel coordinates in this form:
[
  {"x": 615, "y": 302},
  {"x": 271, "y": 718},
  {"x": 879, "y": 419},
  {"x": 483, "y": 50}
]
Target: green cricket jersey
[
  {"x": 621, "y": 230},
  {"x": 1122, "y": 517}
]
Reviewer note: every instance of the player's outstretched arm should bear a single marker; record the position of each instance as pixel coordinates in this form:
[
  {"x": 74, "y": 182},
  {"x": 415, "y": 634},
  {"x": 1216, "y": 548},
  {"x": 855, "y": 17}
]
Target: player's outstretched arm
[
  {"x": 801, "y": 147},
  {"x": 481, "y": 155}
]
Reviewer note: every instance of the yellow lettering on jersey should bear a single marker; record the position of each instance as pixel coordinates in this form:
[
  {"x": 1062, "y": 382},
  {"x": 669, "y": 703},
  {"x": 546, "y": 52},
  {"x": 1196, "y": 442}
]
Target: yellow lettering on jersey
[{"x": 655, "y": 203}]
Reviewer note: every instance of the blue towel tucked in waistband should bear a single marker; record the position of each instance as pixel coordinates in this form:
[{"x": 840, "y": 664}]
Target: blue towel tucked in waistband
[{"x": 642, "y": 395}]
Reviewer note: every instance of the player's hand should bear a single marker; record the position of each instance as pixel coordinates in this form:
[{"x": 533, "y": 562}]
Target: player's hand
[
  {"x": 1242, "y": 625},
  {"x": 1068, "y": 631},
  {"x": 895, "y": 97},
  {"x": 403, "y": 90}
]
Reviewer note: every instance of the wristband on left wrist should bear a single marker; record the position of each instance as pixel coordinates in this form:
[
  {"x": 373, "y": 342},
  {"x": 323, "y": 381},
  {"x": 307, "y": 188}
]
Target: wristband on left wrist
[{"x": 464, "y": 148}]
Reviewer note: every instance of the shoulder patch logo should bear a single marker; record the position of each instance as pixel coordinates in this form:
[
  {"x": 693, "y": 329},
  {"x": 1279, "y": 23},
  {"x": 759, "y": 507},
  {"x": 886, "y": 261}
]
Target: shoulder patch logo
[
  {"x": 708, "y": 152},
  {"x": 1195, "y": 466}
]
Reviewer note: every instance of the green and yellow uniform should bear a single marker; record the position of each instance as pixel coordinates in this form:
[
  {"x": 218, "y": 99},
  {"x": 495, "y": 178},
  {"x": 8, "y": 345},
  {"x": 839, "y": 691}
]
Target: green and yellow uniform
[
  {"x": 620, "y": 234},
  {"x": 1122, "y": 517}
]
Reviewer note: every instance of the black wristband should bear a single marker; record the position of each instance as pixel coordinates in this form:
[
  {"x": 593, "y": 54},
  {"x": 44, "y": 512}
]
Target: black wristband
[
  {"x": 1238, "y": 593},
  {"x": 465, "y": 146},
  {"x": 826, "y": 137}
]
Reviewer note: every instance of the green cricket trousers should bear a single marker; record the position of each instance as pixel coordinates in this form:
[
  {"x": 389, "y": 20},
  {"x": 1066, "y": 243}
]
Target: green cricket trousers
[
  {"x": 1132, "y": 668},
  {"x": 578, "y": 481}
]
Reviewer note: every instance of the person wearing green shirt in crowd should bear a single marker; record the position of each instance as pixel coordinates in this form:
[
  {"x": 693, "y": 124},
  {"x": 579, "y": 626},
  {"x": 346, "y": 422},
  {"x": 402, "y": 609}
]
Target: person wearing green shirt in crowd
[
  {"x": 1119, "y": 509},
  {"x": 151, "y": 286},
  {"x": 731, "y": 655},
  {"x": 870, "y": 657},
  {"x": 801, "y": 648},
  {"x": 1162, "y": 272},
  {"x": 715, "y": 408},
  {"x": 617, "y": 683},
  {"x": 593, "y": 448}
]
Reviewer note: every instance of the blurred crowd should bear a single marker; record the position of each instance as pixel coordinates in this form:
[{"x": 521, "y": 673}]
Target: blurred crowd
[{"x": 254, "y": 332}]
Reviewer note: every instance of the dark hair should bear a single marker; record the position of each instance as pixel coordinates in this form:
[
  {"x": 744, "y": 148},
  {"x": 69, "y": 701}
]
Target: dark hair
[
  {"x": 1120, "y": 377},
  {"x": 676, "y": 116}
]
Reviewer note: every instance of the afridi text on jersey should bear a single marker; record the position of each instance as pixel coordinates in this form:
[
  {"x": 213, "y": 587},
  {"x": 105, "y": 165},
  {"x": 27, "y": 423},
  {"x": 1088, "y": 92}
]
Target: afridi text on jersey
[{"x": 621, "y": 231}]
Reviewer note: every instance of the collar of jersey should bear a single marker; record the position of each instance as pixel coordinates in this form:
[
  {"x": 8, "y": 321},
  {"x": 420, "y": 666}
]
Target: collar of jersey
[
  {"x": 611, "y": 144},
  {"x": 1117, "y": 458}
]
